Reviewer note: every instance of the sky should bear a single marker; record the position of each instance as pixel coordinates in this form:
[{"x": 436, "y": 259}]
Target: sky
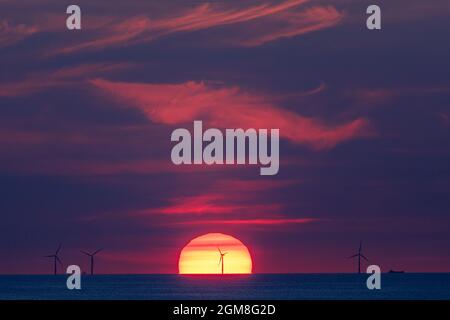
[{"x": 86, "y": 118}]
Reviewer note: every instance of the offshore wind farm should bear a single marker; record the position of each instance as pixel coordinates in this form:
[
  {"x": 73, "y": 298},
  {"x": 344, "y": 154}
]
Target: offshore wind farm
[{"x": 216, "y": 284}]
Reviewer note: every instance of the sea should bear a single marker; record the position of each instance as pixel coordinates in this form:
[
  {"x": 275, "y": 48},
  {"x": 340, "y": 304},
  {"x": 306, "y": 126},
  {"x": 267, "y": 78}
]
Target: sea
[{"x": 406, "y": 286}]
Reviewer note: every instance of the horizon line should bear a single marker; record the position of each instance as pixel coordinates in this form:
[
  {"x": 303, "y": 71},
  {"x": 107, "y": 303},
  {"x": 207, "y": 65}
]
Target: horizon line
[{"x": 217, "y": 274}]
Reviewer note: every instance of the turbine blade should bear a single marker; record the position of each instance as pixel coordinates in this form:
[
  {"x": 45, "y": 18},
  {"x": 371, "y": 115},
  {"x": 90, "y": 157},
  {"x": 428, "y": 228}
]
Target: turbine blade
[
  {"x": 88, "y": 254},
  {"x": 362, "y": 256},
  {"x": 50, "y": 256},
  {"x": 219, "y": 250},
  {"x": 355, "y": 255},
  {"x": 97, "y": 252},
  {"x": 57, "y": 250},
  {"x": 220, "y": 260},
  {"x": 59, "y": 260}
]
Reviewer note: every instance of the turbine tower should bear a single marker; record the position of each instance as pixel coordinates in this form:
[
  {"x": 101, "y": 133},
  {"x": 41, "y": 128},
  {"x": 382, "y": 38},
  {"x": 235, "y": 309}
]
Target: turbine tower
[
  {"x": 56, "y": 259},
  {"x": 359, "y": 255},
  {"x": 91, "y": 255},
  {"x": 221, "y": 260}
]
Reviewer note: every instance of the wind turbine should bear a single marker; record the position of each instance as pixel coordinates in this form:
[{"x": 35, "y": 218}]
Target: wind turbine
[
  {"x": 222, "y": 255},
  {"x": 359, "y": 255},
  {"x": 55, "y": 259},
  {"x": 91, "y": 255}
]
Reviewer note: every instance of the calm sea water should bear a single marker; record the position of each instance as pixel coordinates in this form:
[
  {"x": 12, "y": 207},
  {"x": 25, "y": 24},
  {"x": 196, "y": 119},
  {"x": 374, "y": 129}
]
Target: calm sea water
[{"x": 256, "y": 286}]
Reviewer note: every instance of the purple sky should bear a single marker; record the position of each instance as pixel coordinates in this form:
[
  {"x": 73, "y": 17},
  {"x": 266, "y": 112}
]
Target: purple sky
[{"x": 86, "y": 118}]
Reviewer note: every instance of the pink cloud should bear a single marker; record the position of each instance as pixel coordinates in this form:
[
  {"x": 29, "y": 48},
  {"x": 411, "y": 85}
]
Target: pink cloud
[
  {"x": 258, "y": 24},
  {"x": 212, "y": 203},
  {"x": 262, "y": 221},
  {"x": 381, "y": 95},
  {"x": 254, "y": 185},
  {"x": 227, "y": 107},
  {"x": 237, "y": 201},
  {"x": 43, "y": 80},
  {"x": 290, "y": 24},
  {"x": 12, "y": 33},
  {"x": 114, "y": 34}
]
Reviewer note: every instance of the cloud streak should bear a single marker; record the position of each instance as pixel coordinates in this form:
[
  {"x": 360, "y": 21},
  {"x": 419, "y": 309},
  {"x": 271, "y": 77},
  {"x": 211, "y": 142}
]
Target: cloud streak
[
  {"x": 12, "y": 33},
  {"x": 251, "y": 222},
  {"x": 289, "y": 24},
  {"x": 227, "y": 107},
  {"x": 212, "y": 204},
  {"x": 39, "y": 81},
  {"x": 257, "y": 24}
]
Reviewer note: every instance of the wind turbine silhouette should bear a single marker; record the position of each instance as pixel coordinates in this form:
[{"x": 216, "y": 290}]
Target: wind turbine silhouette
[
  {"x": 222, "y": 255},
  {"x": 91, "y": 255},
  {"x": 55, "y": 259},
  {"x": 359, "y": 255}
]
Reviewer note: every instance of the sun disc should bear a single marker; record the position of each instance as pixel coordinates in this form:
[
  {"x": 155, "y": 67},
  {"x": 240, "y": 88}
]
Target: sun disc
[{"x": 202, "y": 255}]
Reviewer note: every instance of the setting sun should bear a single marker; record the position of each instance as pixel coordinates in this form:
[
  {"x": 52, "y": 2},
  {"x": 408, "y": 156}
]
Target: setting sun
[{"x": 215, "y": 253}]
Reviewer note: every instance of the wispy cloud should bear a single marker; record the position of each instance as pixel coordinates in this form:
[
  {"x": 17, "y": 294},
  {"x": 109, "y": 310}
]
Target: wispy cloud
[
  {"x": 251, "y": 222},
  {"x": 227, "y": 107},
  {"x": 258, "y": 24},
  {"x": 381, "y": 95},
  {"x": 227, "y": 202},
  {"x": 288, "y": 24},
  {"x": 42, "y": 80},
  {"x": 212, "y": 204},
  {"x": 11, "y": 33}
]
